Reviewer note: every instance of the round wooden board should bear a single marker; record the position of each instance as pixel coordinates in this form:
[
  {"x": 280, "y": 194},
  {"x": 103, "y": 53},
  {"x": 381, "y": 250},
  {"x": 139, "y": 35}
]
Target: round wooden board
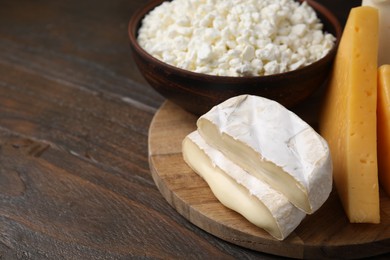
[{"x": 325, "y": 234}]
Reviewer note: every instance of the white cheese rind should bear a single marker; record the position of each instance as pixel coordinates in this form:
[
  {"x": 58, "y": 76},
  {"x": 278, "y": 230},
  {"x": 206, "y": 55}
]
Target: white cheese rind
[
  {"x": 240, "y": 191},
  {"x": 273, "y": 144}
]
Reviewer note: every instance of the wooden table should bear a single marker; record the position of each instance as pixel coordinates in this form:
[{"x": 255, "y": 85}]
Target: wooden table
[{"x": 74, "y": 118}]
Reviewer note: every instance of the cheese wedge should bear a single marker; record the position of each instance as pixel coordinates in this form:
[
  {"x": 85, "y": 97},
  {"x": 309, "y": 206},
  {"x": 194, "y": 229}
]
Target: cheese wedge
[
  {"x": 272, "y": 144},
  {"x": 348, "y": 118},
  {"x": 239, "y": 191},
  {"x": 383, "y": 113}
]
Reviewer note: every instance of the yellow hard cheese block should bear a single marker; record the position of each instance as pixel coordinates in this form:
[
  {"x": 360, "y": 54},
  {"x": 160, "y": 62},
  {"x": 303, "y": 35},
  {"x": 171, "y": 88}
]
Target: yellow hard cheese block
[
  {"x": 384, "y": 126},
  {"x": 348, "y": 119}
]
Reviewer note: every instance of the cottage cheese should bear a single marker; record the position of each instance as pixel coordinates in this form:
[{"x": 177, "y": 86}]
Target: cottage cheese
[{"x": 235, "y": 37}]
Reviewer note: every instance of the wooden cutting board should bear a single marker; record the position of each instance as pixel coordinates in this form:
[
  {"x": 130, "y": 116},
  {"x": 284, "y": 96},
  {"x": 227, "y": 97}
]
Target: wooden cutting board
[{"x": 325, "y": 234}]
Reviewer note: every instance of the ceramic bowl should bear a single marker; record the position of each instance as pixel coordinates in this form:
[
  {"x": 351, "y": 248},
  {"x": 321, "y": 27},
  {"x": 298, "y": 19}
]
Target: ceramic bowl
[{"x": 197, "y": 93}]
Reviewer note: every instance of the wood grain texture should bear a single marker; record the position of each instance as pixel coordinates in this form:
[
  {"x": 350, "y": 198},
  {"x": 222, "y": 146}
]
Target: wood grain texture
[
  {"x": 325, "y": 234},
  {"x": 74, "y": 118},
  {"x": 75, "y": 113}
]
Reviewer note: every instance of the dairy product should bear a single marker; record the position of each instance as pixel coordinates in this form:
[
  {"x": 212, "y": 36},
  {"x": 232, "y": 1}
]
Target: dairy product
[
  {"x": 240, "y": 191},
  {"x": 383, "y": 7},
  {"x": 383, "y": 131},
  {"x": 274, "y": 145},
  {"x": 235, "y": 37},
  {"x": 348, "y": 120}
]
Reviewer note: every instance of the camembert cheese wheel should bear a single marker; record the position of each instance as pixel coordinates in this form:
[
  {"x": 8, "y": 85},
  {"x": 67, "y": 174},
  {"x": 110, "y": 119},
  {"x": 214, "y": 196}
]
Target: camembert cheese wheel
[
  {"x": 274, "y": 145},
  {"x": 240, "y": 191}
]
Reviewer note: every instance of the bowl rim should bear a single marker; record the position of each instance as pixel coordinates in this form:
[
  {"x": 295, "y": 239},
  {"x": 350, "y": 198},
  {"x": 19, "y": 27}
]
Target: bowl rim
[{"x": 136, "y": 21}]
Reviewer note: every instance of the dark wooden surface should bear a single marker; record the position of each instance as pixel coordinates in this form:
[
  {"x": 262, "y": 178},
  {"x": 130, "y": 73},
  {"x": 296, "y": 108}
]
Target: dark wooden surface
[{"x": 74, "y": 118}]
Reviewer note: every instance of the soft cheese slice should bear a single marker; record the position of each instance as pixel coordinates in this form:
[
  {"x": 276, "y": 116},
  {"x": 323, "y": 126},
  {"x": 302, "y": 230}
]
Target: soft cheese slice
[
  {"x": 239, "y": 191},
  {"x": 274, "y": 145},
  {"x": 383, "y": 113},
  {"x": 348, "y": 120}
]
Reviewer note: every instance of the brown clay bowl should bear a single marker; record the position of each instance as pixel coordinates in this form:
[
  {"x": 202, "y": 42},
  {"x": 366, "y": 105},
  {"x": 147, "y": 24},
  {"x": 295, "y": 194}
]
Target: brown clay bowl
[{"x": 197, "y": 93}]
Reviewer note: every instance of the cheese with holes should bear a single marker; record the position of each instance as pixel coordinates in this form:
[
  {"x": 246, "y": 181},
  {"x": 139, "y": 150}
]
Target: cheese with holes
[
  {"x": 274, "y": 145},
  {"x": 348, "y": 119},
  {"x": 240, "y": 191},
  {"x": 383, "y": 113}
]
